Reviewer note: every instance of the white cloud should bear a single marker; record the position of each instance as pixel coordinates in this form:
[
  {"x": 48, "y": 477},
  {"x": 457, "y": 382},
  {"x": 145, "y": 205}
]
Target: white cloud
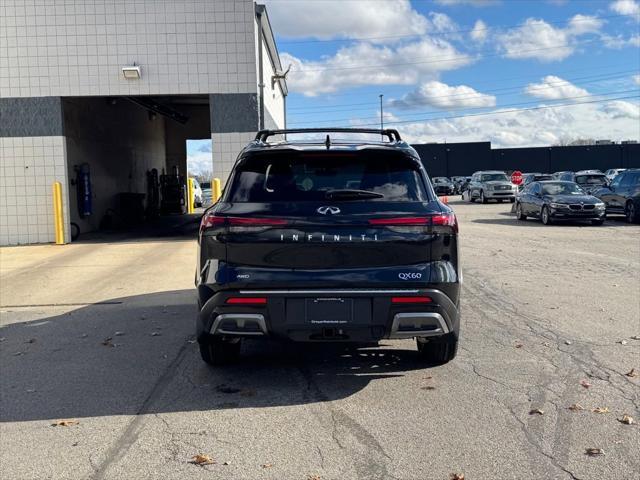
[
  {"x": 338, "y": 19},
  {"x": 475, "y": 3},
  {"x": 619, "y": 41},
  {"x": 406, "y": 64},
  {"x": 441, "y": 95},
  {"x": 583, "y": 24},
  {"x": 532, "y": 127},
  {"x": 626, "y": 7},
  {"x": 479, "y": 32},
  {"x": 622, "y": 109},
  {"x": 199, "y": 163},
  {"x": 555, "y": 88},
  {"x": 539, "y": 40},
  {"x": 636, "y": 78}
]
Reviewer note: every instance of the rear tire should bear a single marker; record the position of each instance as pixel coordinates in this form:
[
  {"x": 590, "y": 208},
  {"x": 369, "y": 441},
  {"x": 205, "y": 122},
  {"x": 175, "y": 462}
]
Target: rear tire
[
  {"x": 483, "y": 199},
  {"x": 218, "y": 351},
  {"x": 630, "y": 212},
  {"x": 438, "y": 350},
  {"x": 519, "y": 214},
  {"x": 545, "y": 216}
]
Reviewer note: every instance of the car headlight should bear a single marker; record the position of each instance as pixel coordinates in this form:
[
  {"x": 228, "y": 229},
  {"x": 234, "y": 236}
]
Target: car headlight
[
  {"x": 558, "y": 205},
  {"x": 600, "y": 205}
]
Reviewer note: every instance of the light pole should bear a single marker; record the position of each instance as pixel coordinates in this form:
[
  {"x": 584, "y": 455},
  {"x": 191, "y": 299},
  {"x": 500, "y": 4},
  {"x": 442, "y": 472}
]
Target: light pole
[{"x": 381, "y": 116}]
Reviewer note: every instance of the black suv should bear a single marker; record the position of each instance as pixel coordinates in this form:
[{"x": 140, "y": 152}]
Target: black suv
[
  {"x": 328, "y": 241},
  {"x": 622, "y": 196}
]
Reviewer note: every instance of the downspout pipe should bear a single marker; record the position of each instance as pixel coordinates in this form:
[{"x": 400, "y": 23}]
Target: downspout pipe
[{"x": 260, "y": 72}]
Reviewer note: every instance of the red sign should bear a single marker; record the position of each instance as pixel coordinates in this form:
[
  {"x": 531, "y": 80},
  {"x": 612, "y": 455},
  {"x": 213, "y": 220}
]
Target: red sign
[{"x": 516, "y": 177}]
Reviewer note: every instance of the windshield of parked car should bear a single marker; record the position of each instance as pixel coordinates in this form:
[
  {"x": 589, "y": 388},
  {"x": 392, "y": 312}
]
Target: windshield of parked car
[
  {"x": 317, "y": 176},
  {"x": 561, "y": 189},
  {"x": 494, "y": 177},
  {"x": 440, "y": 180},
  {"x": 598, "y": 179}
]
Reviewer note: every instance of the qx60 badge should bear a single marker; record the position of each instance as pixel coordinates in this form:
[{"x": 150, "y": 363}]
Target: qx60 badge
[{"x": 328, "y": 210}]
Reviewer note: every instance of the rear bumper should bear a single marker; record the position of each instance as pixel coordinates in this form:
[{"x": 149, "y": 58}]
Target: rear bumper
[{"x": 284, "y": 317}]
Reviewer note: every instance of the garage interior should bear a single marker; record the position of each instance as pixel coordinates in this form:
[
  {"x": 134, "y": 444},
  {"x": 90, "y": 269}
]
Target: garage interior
[{"x": 135, "y": 149}]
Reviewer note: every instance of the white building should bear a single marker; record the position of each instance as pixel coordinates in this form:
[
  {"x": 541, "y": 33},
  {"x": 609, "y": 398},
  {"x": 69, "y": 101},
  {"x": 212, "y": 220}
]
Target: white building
[{"x": 206, "y": 69}]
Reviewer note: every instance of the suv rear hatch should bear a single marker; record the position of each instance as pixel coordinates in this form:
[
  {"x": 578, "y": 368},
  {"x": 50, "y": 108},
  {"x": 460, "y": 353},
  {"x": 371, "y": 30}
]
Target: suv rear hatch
[{"x": 335, "y": 214}]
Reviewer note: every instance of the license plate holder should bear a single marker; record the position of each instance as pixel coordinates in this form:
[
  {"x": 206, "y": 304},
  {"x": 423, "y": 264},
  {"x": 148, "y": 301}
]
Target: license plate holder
[{"x": 329, "y": 311}]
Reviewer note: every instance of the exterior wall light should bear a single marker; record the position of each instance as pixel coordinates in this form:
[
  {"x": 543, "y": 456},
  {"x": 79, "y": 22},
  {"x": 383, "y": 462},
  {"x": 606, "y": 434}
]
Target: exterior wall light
[{"x": 131, "y": 73}]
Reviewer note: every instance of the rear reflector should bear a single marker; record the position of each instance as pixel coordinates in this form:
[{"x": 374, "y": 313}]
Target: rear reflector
[
  {"x": 411, "y": 300},
  {"x": 246, "y": 301}
]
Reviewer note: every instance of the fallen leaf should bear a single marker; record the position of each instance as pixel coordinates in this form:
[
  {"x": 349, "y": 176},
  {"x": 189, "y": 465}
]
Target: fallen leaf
[
  {"x": 456, "y": 476},
  {"x": 622, "y": 342},
  {"x": 600, "y": 410},
  {"x": 575, "y": 407},
  {"x": 519, "y": 345},
  {"x": 546, "y": 344},
  {"x": 567, "y": 342},
  {"x": 118, "y": 334},
  {"x": 202, "y": 459},
  {"x": 635, "y": 337},
  {"x": 428, "y": 387},
  {"x": 585, "y": 384},
  {"x": 627, "y": 419},
  {"x": 107, "y": 342},
  {"x": 226, "y": 389},
  {"x": 632, "y": 373},
  {"x": 594, "y": 451},
  {"x": 314, "y": 477},
  {"x": 65, "y": 423},
  {"x": 428, "y": 377},
  {"x": 267, "y": 465},
  {"x": 74, "y": 444},
  {"x": 155, "y": 334},
  {"x": 536, "y": 411},
  {"x": 17, "y": 354},
  {"x": 226, "y": 463},
  {"x": 31, "y": 340}
]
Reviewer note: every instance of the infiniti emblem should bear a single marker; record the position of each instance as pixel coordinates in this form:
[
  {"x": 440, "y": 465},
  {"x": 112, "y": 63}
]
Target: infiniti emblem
[{"x": 328, "y": 210}]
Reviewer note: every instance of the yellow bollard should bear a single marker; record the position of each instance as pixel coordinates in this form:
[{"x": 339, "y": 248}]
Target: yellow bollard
[
  {"x": 58, "y": 219},
  {"x": 190, "y": 194},
  {"x": 217, "y": 191}
]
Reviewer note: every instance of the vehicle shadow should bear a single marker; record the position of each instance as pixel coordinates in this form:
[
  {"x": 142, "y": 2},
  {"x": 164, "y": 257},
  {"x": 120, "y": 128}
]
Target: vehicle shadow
[
  {"x": 137, "y": 355},
  {"x": 532, "y": 222}
]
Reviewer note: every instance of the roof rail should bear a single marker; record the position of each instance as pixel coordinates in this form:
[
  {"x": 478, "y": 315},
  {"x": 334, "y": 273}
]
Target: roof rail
[{"x": 392, "y": 134}]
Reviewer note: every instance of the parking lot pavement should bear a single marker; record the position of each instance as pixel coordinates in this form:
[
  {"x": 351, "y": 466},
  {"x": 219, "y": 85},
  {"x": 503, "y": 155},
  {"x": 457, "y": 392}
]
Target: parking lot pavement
[{"x": 101, "y": 333}]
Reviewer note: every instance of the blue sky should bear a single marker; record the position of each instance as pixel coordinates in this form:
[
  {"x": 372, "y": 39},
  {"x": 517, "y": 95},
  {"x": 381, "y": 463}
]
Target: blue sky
[{"x": 464, "y": 70}]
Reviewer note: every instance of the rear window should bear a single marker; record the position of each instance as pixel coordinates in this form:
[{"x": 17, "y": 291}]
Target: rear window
[
  {"x": 591, "y": 179},
  {"x": 291, "y": 177}
]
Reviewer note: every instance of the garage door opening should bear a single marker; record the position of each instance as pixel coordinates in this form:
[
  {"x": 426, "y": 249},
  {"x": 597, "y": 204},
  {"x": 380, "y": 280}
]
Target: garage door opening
[
  {"x": 127, "y": 162},
  {"x": 200, "y": 168}
]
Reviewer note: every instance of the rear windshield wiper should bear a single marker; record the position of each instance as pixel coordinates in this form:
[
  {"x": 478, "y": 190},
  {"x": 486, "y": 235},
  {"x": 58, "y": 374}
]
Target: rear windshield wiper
[{"x": 348, "y": 194}]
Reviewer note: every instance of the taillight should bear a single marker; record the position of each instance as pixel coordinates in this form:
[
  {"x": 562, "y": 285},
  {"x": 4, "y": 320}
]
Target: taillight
[
  {"x": 400, "y": 221},
  {"x": 411, "y": 300},
  {"x": 246, "y": 301},
  {"x": 210, "y": 220},
  {"x": 445, "y": 220},
  {"x": 438, "y": 220}
]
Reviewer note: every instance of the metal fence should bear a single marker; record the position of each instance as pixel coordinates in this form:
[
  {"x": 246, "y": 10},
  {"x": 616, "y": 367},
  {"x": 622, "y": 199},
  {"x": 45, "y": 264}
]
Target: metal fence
[{"x": 451, "y": 159}]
